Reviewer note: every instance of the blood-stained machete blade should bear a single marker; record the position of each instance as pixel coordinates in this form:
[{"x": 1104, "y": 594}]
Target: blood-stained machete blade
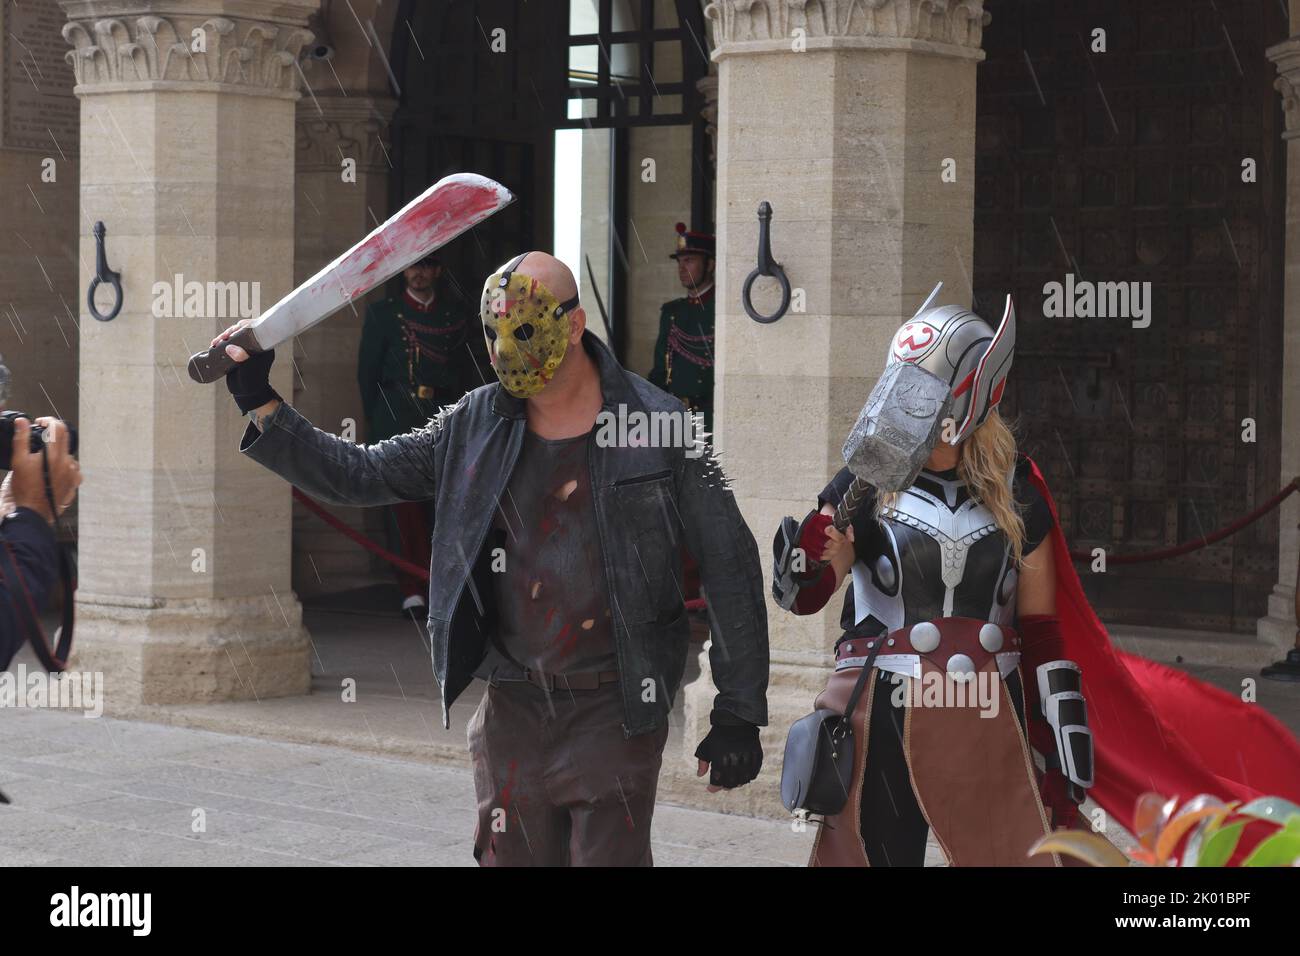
[{"x": 441, "y": 213}]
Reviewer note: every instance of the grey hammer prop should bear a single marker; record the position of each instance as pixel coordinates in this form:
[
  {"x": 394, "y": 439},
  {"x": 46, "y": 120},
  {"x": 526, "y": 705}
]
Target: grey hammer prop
[
  {"x": 897, "y": 429},
  {"x": 892, "y": 440}
]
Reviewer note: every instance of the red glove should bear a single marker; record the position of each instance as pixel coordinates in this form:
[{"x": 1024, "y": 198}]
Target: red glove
[
  {"x": 813, "y": 538},
  {"x": 1040, "y": 640},
  {"x": 1055, "y": 791},
  {"x": 816, "y": 584},
  {"x": 812, "y": 597}
]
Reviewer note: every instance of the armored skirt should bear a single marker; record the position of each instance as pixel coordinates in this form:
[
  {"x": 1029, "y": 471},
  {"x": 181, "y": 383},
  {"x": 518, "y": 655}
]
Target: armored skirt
[{"x": 939, "y": 740}]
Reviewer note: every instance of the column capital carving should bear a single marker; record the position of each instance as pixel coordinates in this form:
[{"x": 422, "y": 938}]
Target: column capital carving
[
  {"x": 243, "y": 47},
  {"x": 944, "y": 27},
  {"x": 1286, "y": 57},
  {"x": 333, "y": 128}
]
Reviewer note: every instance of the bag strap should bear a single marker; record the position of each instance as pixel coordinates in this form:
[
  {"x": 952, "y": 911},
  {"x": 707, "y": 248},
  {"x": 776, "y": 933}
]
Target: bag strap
[
  {"x": 53, "y": 660},
  {"x": 862, "y": 678},
  {"x": 63, "y": 635}
]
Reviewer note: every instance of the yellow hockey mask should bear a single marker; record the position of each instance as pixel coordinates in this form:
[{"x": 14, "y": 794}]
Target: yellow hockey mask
[{"x": 527, "y": 329}]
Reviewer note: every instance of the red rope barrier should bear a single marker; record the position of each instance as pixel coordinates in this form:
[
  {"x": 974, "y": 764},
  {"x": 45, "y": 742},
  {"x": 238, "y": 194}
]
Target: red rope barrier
[
  {"x": 696, "y": 604},
  {"x": 1189, "y": 546},
  {"x": 393, "y": 559}
]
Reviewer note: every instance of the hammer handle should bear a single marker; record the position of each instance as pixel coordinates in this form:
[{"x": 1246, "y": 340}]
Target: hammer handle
[{"x": 850, "y": 503}]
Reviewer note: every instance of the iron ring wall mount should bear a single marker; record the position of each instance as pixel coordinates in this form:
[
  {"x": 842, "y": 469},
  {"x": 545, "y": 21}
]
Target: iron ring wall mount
[
  {"x": 767, "y": 266},
  {"x": 103, "y": 274}
]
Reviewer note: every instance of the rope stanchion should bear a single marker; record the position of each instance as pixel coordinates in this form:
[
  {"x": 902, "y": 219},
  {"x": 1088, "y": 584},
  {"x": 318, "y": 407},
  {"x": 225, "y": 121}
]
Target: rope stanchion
[
  {"x": 394, "y": 559},
  {"x": 1189, "y": 546}
]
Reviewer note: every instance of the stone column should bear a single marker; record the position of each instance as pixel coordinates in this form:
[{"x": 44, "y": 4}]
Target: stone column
[
  {"x": 187, "y": 149},
  {"x": 1279, "y": 626},
  {"x": 841, "y": 114},
  {"x": 343, "y": 163}
]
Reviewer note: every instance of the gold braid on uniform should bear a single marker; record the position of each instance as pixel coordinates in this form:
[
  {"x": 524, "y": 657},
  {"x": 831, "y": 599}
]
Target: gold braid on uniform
[
  {"x": 412, "y": 330},
  {"x": 680, "y": 343}
]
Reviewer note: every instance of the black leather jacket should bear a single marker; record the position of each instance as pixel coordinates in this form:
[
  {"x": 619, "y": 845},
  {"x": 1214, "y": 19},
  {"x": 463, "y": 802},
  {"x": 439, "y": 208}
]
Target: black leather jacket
[{"x": 648, "y": 502}]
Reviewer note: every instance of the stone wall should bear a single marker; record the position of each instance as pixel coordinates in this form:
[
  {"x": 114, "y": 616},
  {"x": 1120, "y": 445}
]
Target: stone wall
[{"x": 39, "y": 167}]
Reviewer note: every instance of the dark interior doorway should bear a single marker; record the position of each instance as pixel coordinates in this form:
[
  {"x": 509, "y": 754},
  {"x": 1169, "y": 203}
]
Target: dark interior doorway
[
  {"x": 485, "y": 84},
  {"x": 480, "y": 83}
]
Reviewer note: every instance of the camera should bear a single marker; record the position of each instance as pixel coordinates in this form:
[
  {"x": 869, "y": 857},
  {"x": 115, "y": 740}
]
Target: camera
[{"x": 7, "y": 420}]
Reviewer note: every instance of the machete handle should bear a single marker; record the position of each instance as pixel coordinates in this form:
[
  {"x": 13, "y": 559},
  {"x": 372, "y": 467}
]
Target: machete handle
[{"x": 208, "y": 366}]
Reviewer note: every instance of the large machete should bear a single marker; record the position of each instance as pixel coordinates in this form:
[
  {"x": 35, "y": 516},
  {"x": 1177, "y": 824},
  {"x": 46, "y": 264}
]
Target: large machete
[{"x": 441, "y": 213}]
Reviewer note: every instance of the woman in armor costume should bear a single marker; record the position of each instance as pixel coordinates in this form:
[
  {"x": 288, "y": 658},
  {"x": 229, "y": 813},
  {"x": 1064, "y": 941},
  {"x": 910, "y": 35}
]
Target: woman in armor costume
[{"x": 951, "y": 603}]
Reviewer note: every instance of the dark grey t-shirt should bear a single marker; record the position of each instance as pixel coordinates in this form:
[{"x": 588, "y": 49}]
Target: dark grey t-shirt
[{"x": 552, "y": 597}]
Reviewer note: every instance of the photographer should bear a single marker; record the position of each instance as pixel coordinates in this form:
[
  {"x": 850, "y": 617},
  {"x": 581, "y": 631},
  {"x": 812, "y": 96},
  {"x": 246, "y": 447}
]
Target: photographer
[{"x": 27, "y": 513}]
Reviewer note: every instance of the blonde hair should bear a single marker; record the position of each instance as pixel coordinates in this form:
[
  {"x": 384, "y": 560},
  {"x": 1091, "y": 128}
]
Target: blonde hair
[{"x": 985, "y": 462}]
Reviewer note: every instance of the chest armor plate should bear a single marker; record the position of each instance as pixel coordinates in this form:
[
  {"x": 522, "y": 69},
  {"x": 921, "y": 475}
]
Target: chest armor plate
[{"x": 941, "y": 555}]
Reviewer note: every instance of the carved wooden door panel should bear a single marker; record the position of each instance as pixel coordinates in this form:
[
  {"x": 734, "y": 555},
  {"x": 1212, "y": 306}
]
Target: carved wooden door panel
[{"x": 1127, "y": 166}]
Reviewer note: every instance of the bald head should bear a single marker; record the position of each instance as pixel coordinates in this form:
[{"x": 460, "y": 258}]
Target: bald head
[{"x": 550, "y": 272}]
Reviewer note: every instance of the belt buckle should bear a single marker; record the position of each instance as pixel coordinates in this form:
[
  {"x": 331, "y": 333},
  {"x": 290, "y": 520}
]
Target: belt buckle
[{"x": 424, "y": 391}]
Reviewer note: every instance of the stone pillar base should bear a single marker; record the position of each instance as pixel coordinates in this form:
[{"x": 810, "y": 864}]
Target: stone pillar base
[
  {"x": 1278, "y": 629},
  {"x": 176, "y": 651}
]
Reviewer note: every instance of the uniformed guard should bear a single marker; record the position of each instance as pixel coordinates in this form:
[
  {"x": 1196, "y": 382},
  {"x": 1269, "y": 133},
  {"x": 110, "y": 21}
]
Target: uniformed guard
[
  {"x": 418, "y": 352},
  {"x": 683, "y": 357}
]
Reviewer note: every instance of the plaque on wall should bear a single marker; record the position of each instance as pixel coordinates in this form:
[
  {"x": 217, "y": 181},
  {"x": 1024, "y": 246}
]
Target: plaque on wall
[{"x": 37, "y": 107}]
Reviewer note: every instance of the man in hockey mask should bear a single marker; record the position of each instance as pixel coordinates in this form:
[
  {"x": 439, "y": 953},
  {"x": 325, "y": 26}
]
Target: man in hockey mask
[
  {"x": 555, "y": 574},
  {"x": 574, "y": 525}
]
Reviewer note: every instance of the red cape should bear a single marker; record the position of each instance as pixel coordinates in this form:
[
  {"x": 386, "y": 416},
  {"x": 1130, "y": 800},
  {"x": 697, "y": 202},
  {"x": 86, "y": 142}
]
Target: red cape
[{"x": 1154, "y": 727}]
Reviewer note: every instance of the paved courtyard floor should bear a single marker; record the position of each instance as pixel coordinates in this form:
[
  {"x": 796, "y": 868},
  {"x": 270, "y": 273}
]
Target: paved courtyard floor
[
  {"x": 108, "y": 792},
  {"x": 316, "y": 780}
]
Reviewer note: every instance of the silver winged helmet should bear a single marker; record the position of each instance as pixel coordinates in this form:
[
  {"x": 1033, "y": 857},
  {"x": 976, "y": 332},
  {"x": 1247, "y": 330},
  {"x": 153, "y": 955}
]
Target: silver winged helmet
[{"x": 959, "y": 347}]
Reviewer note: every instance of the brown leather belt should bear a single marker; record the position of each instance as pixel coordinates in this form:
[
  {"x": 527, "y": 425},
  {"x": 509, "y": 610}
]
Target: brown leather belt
[{"x": 590, "y": 680}]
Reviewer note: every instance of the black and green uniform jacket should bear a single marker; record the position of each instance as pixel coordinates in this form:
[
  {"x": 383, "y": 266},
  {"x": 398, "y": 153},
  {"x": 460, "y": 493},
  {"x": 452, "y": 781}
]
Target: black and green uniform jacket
[
  {"x": 405, "y": 345},
  {"x": 683, "y": 357}
]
